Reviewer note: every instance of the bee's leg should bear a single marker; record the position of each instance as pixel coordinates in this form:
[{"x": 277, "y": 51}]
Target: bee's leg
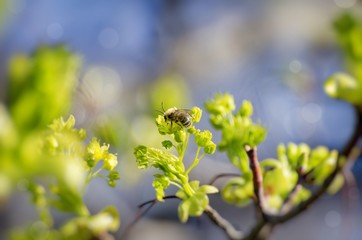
[{"x": 180, "y": 124}]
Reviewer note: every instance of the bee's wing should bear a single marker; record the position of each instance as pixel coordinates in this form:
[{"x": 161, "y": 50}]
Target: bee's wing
[{"x": 188, "y": 111}]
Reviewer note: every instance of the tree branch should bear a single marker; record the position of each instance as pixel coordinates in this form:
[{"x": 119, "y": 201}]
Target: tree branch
[
  {"x": 276, "y": 219},
  {"x": 327, "y": 182},
  {"x": 225, "y": 225},
  {"x": 213, "y": 180},
  {"x": 140, "y": 213},
  {"x": 257, "y": 180}
]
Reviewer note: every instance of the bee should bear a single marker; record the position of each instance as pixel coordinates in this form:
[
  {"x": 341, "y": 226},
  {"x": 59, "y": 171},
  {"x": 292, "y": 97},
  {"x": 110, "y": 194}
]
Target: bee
[
  {"x": 179, "y": 116},
  {"x": 182, "y": 117}
]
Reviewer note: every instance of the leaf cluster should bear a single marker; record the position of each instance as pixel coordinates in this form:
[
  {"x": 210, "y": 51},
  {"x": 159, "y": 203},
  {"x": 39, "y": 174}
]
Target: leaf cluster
[{"x": 348, "y": 86}]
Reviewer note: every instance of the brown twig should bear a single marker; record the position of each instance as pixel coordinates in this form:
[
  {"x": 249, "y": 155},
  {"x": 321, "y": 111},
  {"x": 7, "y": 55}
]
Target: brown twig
[
  {"x": 257, "y": 180},
  {"x": 288, "y": 202},
  {"x": 213, "y": 180},
  {"x": 140, "y": 213},
  {"x": 276, "y": 219},
  {"x": 225, "y": 225}
]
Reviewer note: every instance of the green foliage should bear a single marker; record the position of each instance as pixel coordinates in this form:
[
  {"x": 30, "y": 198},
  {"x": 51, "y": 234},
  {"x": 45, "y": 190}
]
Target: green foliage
[
  {"x": 280, "y": 176},
  {"x": 195, "y": 204},
  {"x": 238, "y": 130},
  {"x": 46, "y": 154},
  {"x": 348, "y": 87},
  {"x": 238, "y": 191},
  {"x": 194, "y": 197},
  {"x": 41, "y": 86}
]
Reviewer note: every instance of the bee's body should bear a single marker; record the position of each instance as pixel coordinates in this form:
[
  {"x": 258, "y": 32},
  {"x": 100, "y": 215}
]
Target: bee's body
[{"x": 179, "y": 116}]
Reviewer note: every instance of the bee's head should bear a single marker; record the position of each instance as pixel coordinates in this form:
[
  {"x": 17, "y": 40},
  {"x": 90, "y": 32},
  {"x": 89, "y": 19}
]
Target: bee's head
[{"x": 169, "y": 111}]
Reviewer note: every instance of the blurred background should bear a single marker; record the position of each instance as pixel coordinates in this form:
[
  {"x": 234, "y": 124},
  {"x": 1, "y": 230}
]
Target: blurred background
[{"x": 137, "y": 54}]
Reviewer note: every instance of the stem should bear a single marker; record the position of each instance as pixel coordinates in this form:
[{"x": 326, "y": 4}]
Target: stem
[
  {"x": 216, "y": 218},
  {"x": 257, "y": 179},
  {"x": 140, "y": 214},
  {"x": 276, "y": 219},
  {"x": 196, "y": 160},
  {"x": 187, "y": 188},
  {"x": 176, "y": 184},
  {"x": 254, "y": 233},
  {"x": 288, "y": 202},
  {"x": 213, "y": 180},
  {"x": 185, "y": 143}
]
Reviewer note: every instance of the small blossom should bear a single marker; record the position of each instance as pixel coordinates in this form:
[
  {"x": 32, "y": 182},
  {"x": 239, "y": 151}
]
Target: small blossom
[{"x": 110, "y": 161}]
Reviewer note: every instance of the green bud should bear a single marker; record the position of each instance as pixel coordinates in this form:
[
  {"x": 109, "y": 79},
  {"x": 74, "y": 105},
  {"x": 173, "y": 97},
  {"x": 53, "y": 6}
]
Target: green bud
[
  {"x": 246, "y": 109},
  {"x": 192, "y": 130},
  {"x": 208, "y": 189},
  {"x": 180, "y": 136},
  {"x": 82, "y": 134},
  {"x": 69, "y": 124},
  {"x": 160, "y": 183},
  {"x": 113, "y": 175},
  {"x": 158, "y": 158},
  {"x": 196, "y": 114},
  {"x": 301, "y": 195},
  {"x": 210, "y": 148},
  {"x": 293, "y": 154},
  {"x": 96, "y": 151},
  {"x": 90, "y": 163},
  {"x": 217, "y": 121},
  {"x": 163, "y": 127},
  {"x": 112, "y": 183},
  {"x": 183, "y": 211},
  {"x": 140, "y": 153},
  {"x": 110, "y": 161},
  {"x": 344, "y": 87},
  {"x": 238, "y": 191},
  {"x": 203, "y": 138},
  {"x": 221, "y": 104},
  {"x": 194, "y": 205},
  {"x": 336, "y": 185},
  {"x": 52, "y": 142},
  {"x": 281, "y": 151},
  {"x": 167, "y": 144}
]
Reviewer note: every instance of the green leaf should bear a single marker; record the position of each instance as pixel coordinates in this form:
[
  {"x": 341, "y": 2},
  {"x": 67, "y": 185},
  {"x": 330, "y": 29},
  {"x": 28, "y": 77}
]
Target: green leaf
[
  {"x": 181, "y": 194},
  {"x": 41, "y": 86},
  {"x": 106, "y": 220},
  {"x": 302, "y": 195},
  {"x": 279, "y": 181},
  {"x": 199, "y": 202},
  {"x": 345, "y": 87},
  {"x": 160, "y": 183},
  {"x": 208, "y": 189},
  {"x": 92, "y": 226},
  {"x": 183, "y": 210},
  {"x": 238, "y": 191},
  {"x": 336, "y": 185},
  {"x": 195, "y": 185},
  {"x": 167, "y": 144}
]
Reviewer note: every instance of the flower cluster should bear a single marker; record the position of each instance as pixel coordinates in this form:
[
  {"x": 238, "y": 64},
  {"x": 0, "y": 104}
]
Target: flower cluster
[{"x": 194, "y": 197}]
